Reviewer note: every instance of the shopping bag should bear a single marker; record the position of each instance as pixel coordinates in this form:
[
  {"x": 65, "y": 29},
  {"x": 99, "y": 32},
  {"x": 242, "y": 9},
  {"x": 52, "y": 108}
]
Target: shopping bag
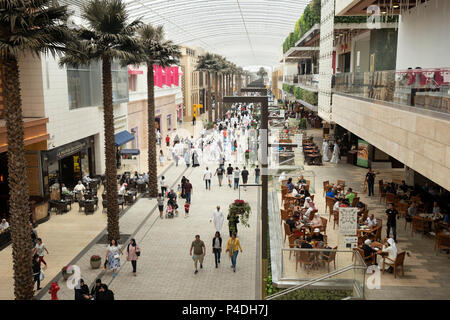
[{"x": 41, "y": 275}]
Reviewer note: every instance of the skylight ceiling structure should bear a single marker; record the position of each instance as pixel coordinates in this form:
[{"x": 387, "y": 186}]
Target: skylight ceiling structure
[{"x": 246, "y": 32}]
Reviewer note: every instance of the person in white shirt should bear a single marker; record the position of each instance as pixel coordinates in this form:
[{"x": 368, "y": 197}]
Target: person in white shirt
[
  {"x": 371, "y": 221},
  {"x": 392, "y": 251},
  {"x": 207, "y": 177},
  {"x": 79, "y": 189},
  {"x": 217, "y": 217},
  {"x": 163, "y": 185},
  {"x": 158, "y": 137},
  {"x": 122, "y": 189},
  {"x": 306, "y": 205},
  {"x": 64, "y": 190},
  {"x": 4, "y": 225},
  {"x": 336, "y": 206},
  {"x": 236, "y": 173},
  {"x": 294, "y": 192}
]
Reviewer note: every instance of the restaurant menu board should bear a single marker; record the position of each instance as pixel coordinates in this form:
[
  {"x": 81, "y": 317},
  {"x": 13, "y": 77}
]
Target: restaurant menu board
[
  {"x": 348, "y": 221},
  {"x": 363, "y": 154}
]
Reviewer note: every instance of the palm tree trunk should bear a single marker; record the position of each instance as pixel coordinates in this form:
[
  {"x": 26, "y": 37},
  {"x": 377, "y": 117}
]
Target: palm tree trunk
[
  {"x": 221, "y": 113},
  {"x": 216, "y": 110},
  {"x": 152, "y": 164},
  {"x": 110, "y": 153},
  {"x": 19, "y": 208},
  {"x": 209, "y": 98}
]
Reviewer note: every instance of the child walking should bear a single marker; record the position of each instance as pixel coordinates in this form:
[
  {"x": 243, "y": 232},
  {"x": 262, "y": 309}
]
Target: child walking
[{"x": 186, "y": 209}]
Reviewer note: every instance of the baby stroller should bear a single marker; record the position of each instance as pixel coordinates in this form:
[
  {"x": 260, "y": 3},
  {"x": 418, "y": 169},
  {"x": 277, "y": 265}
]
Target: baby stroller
[{"x": 169, "y": 211}]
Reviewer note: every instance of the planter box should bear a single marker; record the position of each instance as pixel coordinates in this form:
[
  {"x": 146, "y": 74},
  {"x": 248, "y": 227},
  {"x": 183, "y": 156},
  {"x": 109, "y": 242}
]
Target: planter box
[{"x": 96, "y": 264}]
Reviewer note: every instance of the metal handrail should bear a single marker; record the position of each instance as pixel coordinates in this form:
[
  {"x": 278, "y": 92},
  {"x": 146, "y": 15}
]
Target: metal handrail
[{"x": 310, "y": 282}]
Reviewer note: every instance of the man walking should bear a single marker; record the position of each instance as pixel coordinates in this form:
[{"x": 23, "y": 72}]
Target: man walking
[
  {"x": 199, "y": 252},
  {"x": 230, "y": 174},
  {"x": 188, "y": 191},
  {"x": 391, "y": 214},
  {"x": 370, "y": 178},
  {"x": 236, "y": 173},
  {"x": 220, "y": 171},
  {"x": 217, "y": 217},
  {"x": 244, "y": 174},
  {"x": 207, "y": 177}
]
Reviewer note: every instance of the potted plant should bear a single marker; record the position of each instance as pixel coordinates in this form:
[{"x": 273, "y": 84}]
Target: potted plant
[
  {"x": 67, "y": 271},
  {"x": 96, "y": 261},
  {"x": 239, "y": 211}
]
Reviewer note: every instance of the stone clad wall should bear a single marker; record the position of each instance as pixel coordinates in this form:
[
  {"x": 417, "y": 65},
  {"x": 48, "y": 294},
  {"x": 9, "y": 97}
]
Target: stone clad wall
[{"x": 421, "y": 142}]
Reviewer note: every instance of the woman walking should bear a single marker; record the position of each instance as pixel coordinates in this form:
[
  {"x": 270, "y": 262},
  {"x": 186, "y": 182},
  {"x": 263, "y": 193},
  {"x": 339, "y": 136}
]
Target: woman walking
[
  {"x": 163, "y": 186},
  {"x": 217, "y": 247},
  {"x": 133, "y": 252},
  {"x": 233, "y": 247},
  {"x": 161, "y": 158},
  {"x": 160, "y": 200},
  {"x": 113, "y": 256}
]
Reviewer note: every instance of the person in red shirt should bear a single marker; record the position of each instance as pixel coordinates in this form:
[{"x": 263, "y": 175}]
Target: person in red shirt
[
  {"x": 186, "y": 209},
  {"x": 54, "y": 288},
  {"x": 167, "y": 140}
]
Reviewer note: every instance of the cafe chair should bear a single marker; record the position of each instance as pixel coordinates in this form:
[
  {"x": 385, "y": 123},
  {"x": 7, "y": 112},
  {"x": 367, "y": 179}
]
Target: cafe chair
[
  {"x": 284, "y": 215},
  {"x": 335, "y": 218},
  {"x": 291, "y": 244},
  {"x": 89, "y": 207},
  {"x": 329, "y": 204},
  {"x": 305, "y": 259},
  {"x": 402, "y": 208},
  {"x": 419, "y": 225},
  {"x": 442, "y": 241},
  {"x": 129, "y": 199},
  {"x": 390, "y": 198},
  {"x": 355, "y": 201},
  {"x": 341, "y": 182},
  {"x": 323, "y": 228},
  {"x": 328, "y": 257},
  {"x": 88, "y": 196},
  {"x": 368, "y": 260},
  {"x": 408, "y": 219},
  {"x": 80, "y": 204},
  {"x": 399, "y": 262},
  {"x": 326, "y": 184},
  {"x": 287, "y": 231},
  {"x": 142, "y": 188}
]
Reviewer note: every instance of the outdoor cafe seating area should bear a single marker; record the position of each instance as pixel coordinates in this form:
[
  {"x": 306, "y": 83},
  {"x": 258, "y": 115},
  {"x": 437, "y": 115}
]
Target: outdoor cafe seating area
[{"x": 311, "y": 152}]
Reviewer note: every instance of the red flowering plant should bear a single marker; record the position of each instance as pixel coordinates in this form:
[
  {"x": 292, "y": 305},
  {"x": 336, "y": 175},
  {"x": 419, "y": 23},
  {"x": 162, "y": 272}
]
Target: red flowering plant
[
  {"x": 95, "y": 257},
  {"x": 239, "y": 211}
]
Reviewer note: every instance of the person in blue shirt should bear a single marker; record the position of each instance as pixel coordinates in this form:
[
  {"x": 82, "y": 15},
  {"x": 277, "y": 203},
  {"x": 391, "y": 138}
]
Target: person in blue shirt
[
  {"x": 290, "y": 185},
  {"x": 330, "y": 193}
]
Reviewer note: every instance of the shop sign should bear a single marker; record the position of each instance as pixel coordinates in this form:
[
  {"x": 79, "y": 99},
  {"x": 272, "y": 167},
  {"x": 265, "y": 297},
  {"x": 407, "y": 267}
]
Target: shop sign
[
  {"x": 348, "y": 221},
  {"x": 71, "y": 149},
  {"x": 363, "y": 154}
]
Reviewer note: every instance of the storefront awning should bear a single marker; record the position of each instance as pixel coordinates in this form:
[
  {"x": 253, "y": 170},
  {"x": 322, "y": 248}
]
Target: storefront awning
[
  {"x": 133, "y": 152},
  {"x": 134, "y": 71},
  {"x": 123, "y": 137}
]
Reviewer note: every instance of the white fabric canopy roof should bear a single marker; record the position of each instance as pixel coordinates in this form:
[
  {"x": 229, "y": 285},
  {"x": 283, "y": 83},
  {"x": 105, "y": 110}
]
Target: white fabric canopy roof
[{"x": 246, "y": 32}]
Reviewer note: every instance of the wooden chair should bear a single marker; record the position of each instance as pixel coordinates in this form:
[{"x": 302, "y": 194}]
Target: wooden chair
[
  {"x": 341, "y": 182},
  {"x": 326, "y": 184},
  {"x": 312, "y": 197},
  {"x": 304, "y": 258},
  {"x": 80, "y": 204},
  {"x": 329, "y": 203},
  {"x": 291, "y": 239},
  {"x": 441, "y": 242},
  {"x": 402, "y": 208},
  {"x": 284, "y": 215},
  {"x": 408, "y": 219},
  {"x": 331, "y": 257},
  {"x": 287, "y": 231},
  {"x": 142, "y": 188},
  {"x": 311, "y": 215},
  {"x": 364, "y": 215},
  {"x": 89, "y": 207},
  {"x": 418, "y": 224},
  {"x": 323, "y": 228},
  {"x": 368, "y": 260},
  {"x": 390, "y": 197},
  {"x": 399, "y": 262},
  {"x": 355, "y": 201},
  {"x": 335, "y": 218},
  {"x": 416, "y": 199}
]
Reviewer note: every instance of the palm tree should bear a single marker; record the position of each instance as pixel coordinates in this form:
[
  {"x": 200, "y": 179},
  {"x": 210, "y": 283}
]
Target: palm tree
[
  {"x": 163, "y": 53},
  {"x": 106, "y": 36},
  {"x": 262, "y": 72},
  {"x": 219, "y": 69},
  {"x": 30, "y": 27},
  {"x": 206, "y": 63}
]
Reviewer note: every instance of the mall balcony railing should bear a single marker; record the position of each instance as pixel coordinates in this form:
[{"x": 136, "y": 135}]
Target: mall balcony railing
[
  {"x": 291, "y": 78},
  {"x": 309, "y": 80},
  {"x": 427, "y": 89}
]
